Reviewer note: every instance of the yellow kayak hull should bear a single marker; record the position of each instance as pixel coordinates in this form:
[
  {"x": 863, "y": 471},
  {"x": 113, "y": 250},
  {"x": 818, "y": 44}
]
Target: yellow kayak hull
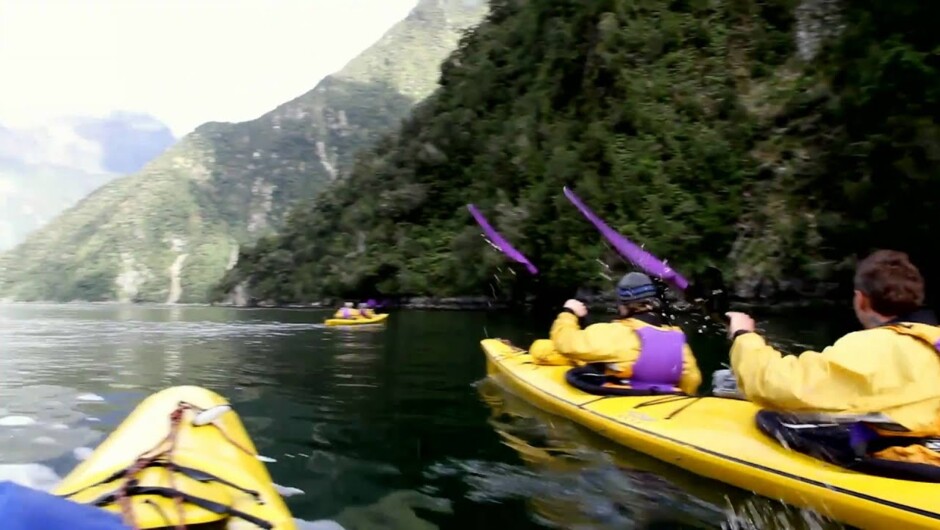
[
  {"x": 356, "y": 321},
  {"x": 208, "y": 449},
  {"x": 718, "y": 438}
]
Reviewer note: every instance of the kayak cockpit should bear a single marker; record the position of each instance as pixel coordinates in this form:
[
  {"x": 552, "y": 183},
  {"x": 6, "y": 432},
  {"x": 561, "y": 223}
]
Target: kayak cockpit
[
  {"x": 858, "y": 442},
  {"x": 594, "y": 380}
]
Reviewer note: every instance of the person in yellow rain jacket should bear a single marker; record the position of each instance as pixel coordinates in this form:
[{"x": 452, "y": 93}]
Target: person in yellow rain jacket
[
  {"x": 640, "y": 349},
  {"x": 888, "y": 372}
]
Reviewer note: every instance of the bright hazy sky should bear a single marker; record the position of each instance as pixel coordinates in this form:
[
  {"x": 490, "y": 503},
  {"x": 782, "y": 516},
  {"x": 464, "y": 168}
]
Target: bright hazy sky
[{"x": 184, "y": 61}]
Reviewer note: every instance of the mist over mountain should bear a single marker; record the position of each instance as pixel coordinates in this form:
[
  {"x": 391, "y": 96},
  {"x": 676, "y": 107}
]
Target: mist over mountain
[{"x": 47, "y": 168}]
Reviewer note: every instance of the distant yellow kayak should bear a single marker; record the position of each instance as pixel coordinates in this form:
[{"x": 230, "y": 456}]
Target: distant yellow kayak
[
  {"x": 190, "y": 458},
  {"x": 355, "y": 321},
  {"x": 718, "y": 438}
]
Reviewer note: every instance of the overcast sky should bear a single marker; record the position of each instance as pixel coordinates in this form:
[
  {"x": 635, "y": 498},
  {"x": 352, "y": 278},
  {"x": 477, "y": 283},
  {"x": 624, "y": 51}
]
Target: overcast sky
[{"x": 184, "y": 61}]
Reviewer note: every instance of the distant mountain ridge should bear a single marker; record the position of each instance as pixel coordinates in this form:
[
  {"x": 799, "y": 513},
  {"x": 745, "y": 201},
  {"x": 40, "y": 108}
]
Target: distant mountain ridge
[
  {"x": 169, "y": 232},
  {"x": 131, "y": 139},
  {"x": 47, "y": 168}
]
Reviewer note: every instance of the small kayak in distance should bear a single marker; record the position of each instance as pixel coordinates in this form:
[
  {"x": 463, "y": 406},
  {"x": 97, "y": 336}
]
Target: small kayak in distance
[
  {"x": 718, "y": 438},
  {"x": 182, "y": 453},
  {"x": 356, "y": 321}
]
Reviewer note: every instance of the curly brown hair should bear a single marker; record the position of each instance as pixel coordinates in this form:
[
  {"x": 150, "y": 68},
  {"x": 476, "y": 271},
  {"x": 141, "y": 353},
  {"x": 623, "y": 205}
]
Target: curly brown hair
[{"x": 892, "y": 283}]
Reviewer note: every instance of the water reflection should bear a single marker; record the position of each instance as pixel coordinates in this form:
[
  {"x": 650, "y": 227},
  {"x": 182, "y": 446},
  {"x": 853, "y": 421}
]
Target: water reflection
[
  {"x": 45, "y": 422},
  {"x": 576, "y": 479},
  {"x": 396, "y": 511}
]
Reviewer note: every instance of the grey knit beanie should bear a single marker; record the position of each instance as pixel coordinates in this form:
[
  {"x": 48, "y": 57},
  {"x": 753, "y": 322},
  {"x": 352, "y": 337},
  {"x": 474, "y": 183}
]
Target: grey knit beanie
[{"x": 635, "y": 286}]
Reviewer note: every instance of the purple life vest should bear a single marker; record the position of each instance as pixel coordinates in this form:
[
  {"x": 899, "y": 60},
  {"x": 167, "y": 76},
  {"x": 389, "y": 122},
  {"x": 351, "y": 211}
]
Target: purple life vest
[
  {"x": 346, "y": 312},
  {"x": 659, "y": 366}
]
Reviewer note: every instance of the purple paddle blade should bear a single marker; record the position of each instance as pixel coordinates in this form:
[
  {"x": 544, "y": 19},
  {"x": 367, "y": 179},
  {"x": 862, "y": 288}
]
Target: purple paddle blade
[
  {"x": 641, "y": 258},
  {"x": 498, "y": 241}
]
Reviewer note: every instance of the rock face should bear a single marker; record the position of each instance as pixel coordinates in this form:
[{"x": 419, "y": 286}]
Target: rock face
[
  {"x": 817, "y": 21},
  {"x": 170, "y": 231}
]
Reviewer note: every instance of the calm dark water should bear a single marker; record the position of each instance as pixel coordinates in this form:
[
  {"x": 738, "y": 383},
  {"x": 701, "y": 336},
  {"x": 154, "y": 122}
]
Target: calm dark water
[{"x": 389, "y": 427}]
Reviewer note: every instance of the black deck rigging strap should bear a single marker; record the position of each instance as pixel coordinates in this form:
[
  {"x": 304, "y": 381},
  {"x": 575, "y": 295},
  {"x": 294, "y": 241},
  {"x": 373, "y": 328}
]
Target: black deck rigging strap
[
  {"x": 195, "y": 474},
  {"x": 170, "y": 493}
]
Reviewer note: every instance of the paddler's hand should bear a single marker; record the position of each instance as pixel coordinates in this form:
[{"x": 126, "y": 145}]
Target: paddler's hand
[
  {"x": 576, "y": 307},
  {"x": 739, "y": 322}
]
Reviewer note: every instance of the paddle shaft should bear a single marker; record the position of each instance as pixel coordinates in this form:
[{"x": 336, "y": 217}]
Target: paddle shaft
[{"x": 707, "y": 291}]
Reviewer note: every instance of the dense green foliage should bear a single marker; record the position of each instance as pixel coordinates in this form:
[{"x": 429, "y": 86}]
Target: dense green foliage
[
  {"x": 225, "y": 185},
  {"x": 879, "y": 173},
  {"x": 689, "y": 125},
  {"x": 638, "y": 104},
  {"x": 851, "y": 162}
]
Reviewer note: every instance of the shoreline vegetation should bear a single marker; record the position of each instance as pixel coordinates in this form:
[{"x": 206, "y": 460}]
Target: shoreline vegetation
[
  {"x": 597, "y": 302},
  {"x": 483, "y": 303}
]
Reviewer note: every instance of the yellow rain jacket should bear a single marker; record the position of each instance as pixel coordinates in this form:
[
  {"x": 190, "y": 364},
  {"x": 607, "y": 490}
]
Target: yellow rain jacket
[
  {"x": 616, "y": 344},
  {"x": 892, "y": 369},
  {"x": 543, "y": 353}
]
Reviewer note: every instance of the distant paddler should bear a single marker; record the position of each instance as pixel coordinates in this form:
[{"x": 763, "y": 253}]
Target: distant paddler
[
  {"x": 365, "y": 310},
  {"x": 347, "y": 312}
]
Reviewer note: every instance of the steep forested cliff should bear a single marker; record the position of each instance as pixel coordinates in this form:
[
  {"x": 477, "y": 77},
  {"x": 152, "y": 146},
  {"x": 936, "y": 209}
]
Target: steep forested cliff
[{"x": 776, "y": 139}]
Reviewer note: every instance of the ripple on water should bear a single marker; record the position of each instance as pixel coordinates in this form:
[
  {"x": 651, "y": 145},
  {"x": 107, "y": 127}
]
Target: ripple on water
[
  {"x": 759, "y": 513},
  {"x": 43, "y": 422},
  {"x": 395, "y": 511},
  {"x": 321, "y": 461},
  {"x": 598, "y": 497},
  {"x": 34, "y": 476}
]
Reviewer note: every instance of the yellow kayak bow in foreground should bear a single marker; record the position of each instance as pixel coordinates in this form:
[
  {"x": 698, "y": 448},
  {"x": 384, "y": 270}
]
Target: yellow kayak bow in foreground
[
  {"x": 718, "y": 438},
  {"x": 182, "y": 456}
]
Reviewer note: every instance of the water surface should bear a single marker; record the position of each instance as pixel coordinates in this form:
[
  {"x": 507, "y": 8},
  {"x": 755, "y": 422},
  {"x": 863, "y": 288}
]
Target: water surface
[{"x": 380, "y": 427}]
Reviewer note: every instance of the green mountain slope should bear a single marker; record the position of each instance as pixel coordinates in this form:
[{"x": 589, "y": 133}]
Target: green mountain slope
[
  {"x": 169, "y": 232},
  {"x": 714, "y": 132}
]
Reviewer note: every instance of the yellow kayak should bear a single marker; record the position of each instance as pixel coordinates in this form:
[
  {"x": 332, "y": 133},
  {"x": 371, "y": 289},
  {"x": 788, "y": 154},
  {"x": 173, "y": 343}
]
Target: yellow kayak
[
  {"x": 356, "y": 321},
  {"x": 718, "y": 438},
  {"x": 182, "y": 453}
]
